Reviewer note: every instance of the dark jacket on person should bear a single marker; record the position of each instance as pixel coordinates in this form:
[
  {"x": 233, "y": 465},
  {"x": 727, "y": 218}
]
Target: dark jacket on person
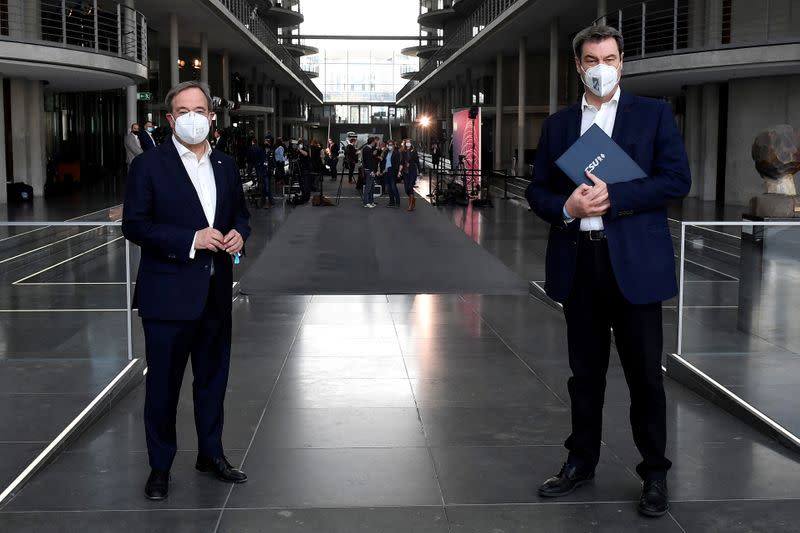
[
  {"x": 369, "y": 158},
  {"x": 395, "y": 158},
  {"x": 639, "y": 239}
]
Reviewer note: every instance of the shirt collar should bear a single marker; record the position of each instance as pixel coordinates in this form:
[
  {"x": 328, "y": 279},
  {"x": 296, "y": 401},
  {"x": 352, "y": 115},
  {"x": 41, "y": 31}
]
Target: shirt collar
[
  {"x": 182, "y": 150},
  {"x": 615, "y": 99}
]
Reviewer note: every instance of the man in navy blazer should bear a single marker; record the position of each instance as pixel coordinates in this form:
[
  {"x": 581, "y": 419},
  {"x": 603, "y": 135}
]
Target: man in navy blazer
[
  {"x": 610, "y": 261},
  {"x": 185, "y": 208},
  {"x": 146, "y": 137}
]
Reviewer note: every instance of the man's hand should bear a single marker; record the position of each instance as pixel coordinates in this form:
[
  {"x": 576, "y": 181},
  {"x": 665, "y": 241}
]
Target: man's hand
[
  {"x": 208, "y": 239},
  {"x": 233, "y": 242},
  {"x": 586, "y": 201}
]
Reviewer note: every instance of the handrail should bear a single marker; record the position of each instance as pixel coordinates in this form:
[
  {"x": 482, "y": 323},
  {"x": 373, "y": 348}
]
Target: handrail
[
  {"x": 99, "y": 26},
  {"x": 649, "y": 28},
  {"x": 475, "y": 23},
  {"x": 252, "y": 20}
]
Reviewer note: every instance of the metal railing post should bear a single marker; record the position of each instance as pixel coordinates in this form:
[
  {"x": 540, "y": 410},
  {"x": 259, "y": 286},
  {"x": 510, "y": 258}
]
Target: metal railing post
[
  {"x": 644, "y": 19},
  {"x": 119, "y": 30},
  {"x": 64, "y": 22},
  {"x": 680, "y": 288},
  {"x": 505, "y": 184},
  {"x": 128, "y": 299},
  {"x": 96, "y": 29},
  {"x": 675, "y": 26}
]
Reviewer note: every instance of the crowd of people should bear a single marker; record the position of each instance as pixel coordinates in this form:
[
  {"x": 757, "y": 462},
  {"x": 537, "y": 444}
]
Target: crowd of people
[{"x": 275, "y": 162}]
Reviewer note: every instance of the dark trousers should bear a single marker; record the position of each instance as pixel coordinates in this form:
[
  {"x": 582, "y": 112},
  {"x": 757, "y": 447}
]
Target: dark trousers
[
  {"x": 266, "y": 185},
  {"x": 351, "y": 167},
  {"x": 594, "y": 306},
  {"x": 390, "y": 183},
  {"x": 409, "y": 179},
  {"x": 168, "y": 346}
]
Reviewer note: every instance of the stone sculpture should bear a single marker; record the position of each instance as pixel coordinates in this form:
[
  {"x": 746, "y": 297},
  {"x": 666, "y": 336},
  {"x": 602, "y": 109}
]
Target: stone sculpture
[{"x": 776, "y": 152}]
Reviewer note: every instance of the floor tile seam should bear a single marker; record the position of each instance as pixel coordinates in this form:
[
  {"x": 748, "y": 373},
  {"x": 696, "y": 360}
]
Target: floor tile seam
[
  {"x": 525, "y": 363},
  {"x": 424, "y": 435},
  {"x": 263, "y": 413},
  {"x": 452, "y": 505}
]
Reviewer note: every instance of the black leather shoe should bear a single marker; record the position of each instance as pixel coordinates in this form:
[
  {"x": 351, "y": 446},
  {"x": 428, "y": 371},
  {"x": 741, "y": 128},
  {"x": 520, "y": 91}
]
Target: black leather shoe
[
  {"x": 221, "y": 468},
  {"x": 655, "y": 498},
  {"x": 157, "y": 486},
  {"x": 565, "y": 482}
]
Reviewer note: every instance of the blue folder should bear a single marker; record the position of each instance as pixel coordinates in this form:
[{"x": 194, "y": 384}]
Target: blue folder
[{"x": 597, "y": 152}]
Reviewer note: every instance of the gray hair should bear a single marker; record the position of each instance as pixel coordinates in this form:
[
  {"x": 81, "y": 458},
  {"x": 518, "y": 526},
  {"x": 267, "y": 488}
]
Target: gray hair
[
  {"x": 188, "y": 85},
  {"x": 596, "y": 33}
]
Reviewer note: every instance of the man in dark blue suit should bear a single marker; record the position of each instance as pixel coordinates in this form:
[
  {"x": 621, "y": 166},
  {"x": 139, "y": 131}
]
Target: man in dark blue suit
[
  {"x": 185, "y": 208},
  {"x": 146, "y": 137},
  {"x": 610, "y": 261}
]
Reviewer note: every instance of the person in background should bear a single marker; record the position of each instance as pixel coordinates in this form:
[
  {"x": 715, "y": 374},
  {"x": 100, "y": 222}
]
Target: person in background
[
  {"x": 220, "y": 140},
  {"x": 280, "y": 163},
  {"x": 315, "y": 153},
  {"x": 369, "y": 165},
  {"x": 390, "y": 167},
  {"x": 332, "y": 158},
  {"x": 435, "y": 155},
  {"x": 146, "y": 138},
  {"x": 351, "y": 158},
  {"x": 257, "y": 163},
  {"x": 410, "y": 170},
  {"x": 304, "y": 162},
  {"x": 133, "y": 145}
]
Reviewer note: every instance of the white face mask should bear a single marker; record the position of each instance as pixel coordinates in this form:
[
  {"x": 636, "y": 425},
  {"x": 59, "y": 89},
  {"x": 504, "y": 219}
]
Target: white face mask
[
  {"x": 408, "y": 145},
  {"x": 192, "y": 128},
  {"x": 601, "y": 79}
]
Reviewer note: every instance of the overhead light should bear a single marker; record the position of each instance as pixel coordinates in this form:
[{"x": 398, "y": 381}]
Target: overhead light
[
  {"x": 197, "y": 64},
  {"x": 181, "y": 63}
]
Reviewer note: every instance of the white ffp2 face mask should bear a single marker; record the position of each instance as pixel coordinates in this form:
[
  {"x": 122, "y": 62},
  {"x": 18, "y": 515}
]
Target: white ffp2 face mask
[
  {"x": 601, "y": 79},
  {"x": 192, "y": 128}
]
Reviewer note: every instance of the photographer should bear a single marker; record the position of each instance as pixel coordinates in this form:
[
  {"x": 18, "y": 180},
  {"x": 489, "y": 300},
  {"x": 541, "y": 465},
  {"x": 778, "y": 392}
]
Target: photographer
[
  {"x": 279, "y": 155},
  {"x": 351, "y": 158},
  {"x": 369, "y": 163}
]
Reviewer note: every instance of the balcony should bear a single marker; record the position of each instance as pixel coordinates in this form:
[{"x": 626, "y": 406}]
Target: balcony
[
  {"x": 423, "y": 51},
  {"x": 298, "y": 47},
  {"x": 407, "y": 72},
  {"x": 101, "y": 46},
  {"x": 679, "y": 43},
  {"x": 435, "y": 13},
  {"x": 311, "y": 69},
  {"x": 286, "y": 13}
]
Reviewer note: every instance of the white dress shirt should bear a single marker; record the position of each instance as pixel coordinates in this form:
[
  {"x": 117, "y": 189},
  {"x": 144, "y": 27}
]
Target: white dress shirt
[
  {"x": 202, "y": 176},
  {"x": 605, "y": 118}
]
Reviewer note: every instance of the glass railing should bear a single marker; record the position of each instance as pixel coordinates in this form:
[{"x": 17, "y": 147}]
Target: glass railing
[
  {"x": 736, "y": 322},
  {"x": 659, "y": 27},
  {"x": 99, "y": 26}
]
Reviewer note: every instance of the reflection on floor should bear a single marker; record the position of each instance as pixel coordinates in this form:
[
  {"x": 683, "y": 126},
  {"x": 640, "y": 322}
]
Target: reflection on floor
[{"x": 426, "y": 413}]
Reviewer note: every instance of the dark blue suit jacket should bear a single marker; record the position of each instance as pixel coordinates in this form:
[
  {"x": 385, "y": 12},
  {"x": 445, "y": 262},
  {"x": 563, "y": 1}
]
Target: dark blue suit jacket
[
  {"x": 146, "y": 141},
  {"x": 639, "y": 240},
  {"x": 161, "y": 214}
]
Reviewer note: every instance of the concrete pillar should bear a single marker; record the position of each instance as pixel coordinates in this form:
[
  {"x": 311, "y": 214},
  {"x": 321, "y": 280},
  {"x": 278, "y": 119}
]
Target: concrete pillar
[
  {"x": 20, "y": 135},
  {"x": 204, "y": 57},
  {"x": 697, "y": 10},
  {"x": 710, "y": 140},
  {"x": 553, "y": 66},
  {"x": 174, "y": 71},
  {"x": 692, "y": 137},
  {"x": 33, "y": 20},
  {"x": 274, "y": 115},
  {"x": 16, "y": 19},
  {"x": 3, "y": 170},
  {"x": 498, "y": 117},
  {"x": 713, "y": 23},
  {"x": 279, "y": 111},
  {"x": 523, "y": 57},
  {"x": 131, "y": 110},
  {"x": 35, "y": 124},
  {"x": 226, "y": 85},
  {"x": 602, "y": 10}
]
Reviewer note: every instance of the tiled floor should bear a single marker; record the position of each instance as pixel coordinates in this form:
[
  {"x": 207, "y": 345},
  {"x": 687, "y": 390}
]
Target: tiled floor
[{"x": 411, "y": 413}]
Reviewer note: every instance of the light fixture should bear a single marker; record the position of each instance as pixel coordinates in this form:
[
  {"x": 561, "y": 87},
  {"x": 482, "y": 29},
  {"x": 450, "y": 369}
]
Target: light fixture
[
  {"x": 197, "y": 64},
  {"x": 181, "y": 63},
  {"x": 424, "y": 121}
]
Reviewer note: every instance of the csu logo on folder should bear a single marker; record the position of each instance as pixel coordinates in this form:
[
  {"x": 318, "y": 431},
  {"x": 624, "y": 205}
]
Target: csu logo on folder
[
  {"x": 599, "y": 154},
  {"x": 593, "y": 164}
]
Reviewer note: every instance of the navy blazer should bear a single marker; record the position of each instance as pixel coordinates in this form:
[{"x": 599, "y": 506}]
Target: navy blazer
[
  {"x": 639, "y": 241},
  {"x": 146, "y": 141},
  {"x": 161, "y": 214}
]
